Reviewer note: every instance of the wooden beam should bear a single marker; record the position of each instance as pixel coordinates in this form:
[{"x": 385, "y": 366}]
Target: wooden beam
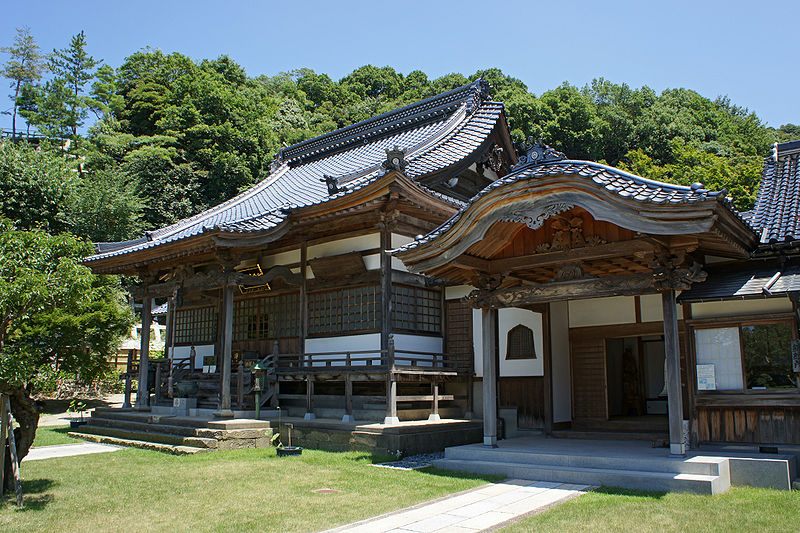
[
  {"x": 470, "y": 262},
  {"x": 587, "y": 253},
  {"x": 628, "y": 285}
]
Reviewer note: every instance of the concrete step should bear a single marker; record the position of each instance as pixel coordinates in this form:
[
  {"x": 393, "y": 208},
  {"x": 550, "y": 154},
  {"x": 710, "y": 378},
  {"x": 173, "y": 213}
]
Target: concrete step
[
  {"x": 150, "y": 436},
  {"x": 629, "y": 479},
  {"x": 145, "y": 445},
  {"x": 710, "y": 466}
]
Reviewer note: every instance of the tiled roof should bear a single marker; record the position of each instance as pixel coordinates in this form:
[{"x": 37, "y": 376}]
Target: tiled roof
[
  {"x": 776, "y": 217},
  {"x": 746, "y": 281},
  {"x": 435, "y": 133},
  {"x": 612, "y": 179}
]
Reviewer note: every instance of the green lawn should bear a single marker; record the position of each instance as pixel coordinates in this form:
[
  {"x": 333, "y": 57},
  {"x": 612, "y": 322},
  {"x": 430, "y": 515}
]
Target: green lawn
[
  {"x": 739, "y": 509},
  {"x": 50, "y": 435},
  {"x": 243, "y": 490}
]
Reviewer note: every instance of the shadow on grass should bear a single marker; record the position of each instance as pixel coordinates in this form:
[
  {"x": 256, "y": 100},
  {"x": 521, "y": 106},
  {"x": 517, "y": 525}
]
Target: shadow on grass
[
  {"x": 33, "y": 494},
  {"x": 58, "y": 406},
  {"x": 617, "y": 491}
]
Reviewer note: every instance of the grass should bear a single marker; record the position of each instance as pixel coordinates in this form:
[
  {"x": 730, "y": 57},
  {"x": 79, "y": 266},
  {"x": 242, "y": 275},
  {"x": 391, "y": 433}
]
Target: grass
[
  {"x": 51, "y": 435},
  {"x": 739, "y": 509},
  {"x": 242, "y": 490}
]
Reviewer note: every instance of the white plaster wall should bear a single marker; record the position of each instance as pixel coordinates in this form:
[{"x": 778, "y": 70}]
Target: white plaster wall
[
  {"x": 285, "y": 258},
  {"x": 602, "y": 311},
  {"x": 372, "y": 262},
  {"x": 416, "y": 343},
  {"x": 343, "y": 344},
  {"x": 477, "y": 341},
  {"x": 457, "y": 291},
  {"x": 203, "y": 350},
  {"x": 509, "y": 318},
  {"x": 741, "y": 307},
  {"x": 560, "y": 362},
  {"x": 343, "y": 246},
  {"x": 652, "y": 310},
  {"x": 396, "y": 242}
]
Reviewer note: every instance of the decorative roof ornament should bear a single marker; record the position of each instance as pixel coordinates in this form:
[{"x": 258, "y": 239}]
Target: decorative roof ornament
[
  {"x": 395, "y": 160},
  {"x": 537, "y": 152},
  {"x": 332, "y": 183}
]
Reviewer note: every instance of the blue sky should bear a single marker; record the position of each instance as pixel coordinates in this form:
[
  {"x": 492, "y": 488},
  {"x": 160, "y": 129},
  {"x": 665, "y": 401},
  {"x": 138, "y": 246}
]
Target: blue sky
[{"x": 735, "y": 48}]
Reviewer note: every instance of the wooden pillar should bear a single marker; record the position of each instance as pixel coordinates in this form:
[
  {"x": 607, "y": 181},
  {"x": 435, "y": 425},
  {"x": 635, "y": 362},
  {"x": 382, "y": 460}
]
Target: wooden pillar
[
  {"x": 143, "y": 394},
  {"x": 391, "y": 386},
  {"x": 276, "y": 351},
  {"x": 303, "y": 296},
  {"x": 309, "y": 399},
  {"x": 434, "y": 416},
  {"x": 677, "y": 446},
  {"x": 489, "y": 326},
  {"x": 348, "y": 400},
  {"x": 157, "y": 384},
  {"x": 224, "y": 410},
  {"x": 126, "y": 403},
  {"x": 169, "y": 343},
  {"x": 386, "y": 286},
  {"x": 240, "y": 385},
  {"x": 469, "y": 413}
]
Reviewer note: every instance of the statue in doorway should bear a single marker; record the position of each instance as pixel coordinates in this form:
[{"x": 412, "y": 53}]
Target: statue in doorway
[{"x": 631, "y": 390}]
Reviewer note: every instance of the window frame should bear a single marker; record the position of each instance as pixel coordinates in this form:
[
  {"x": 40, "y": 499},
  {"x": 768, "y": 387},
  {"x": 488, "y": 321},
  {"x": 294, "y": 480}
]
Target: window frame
[
  {"x": 738, "y": 322},
  {"x": 179, "y": 335},
  {"x": 533, "y": 355},
  {"x": 419, "y": 311},
  {"x": 376, "y": 312}
]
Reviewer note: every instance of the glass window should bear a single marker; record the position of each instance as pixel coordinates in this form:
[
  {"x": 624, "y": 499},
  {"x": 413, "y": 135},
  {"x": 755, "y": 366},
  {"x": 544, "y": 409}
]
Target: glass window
[
  {"x": 767, "y": 351},
  {"x": 196, "y": 326},
  {"x": 720, "y": 347},
  {"x": 344, "y": 310},
  {"x": 417, "y": 309},
  {"x": 267, "y": 317}
]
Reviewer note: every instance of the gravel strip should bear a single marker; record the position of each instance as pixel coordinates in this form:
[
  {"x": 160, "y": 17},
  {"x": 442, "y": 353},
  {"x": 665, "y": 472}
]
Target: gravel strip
[{"x": 412, "y": 462}]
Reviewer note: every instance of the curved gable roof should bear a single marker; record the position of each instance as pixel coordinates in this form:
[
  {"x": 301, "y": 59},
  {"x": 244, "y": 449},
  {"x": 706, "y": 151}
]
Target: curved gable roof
[{"x": 435, "y": 133}]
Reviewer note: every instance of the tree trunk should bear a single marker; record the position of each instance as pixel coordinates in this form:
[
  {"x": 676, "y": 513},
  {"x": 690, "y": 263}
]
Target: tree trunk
[{"x": 26, "y": 412}]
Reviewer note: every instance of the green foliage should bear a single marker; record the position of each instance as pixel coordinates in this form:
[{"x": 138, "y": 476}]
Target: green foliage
[{"x": 54, "y": 313}]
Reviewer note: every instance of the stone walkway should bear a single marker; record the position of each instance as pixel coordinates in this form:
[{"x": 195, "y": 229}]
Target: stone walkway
[
  {"x": 482, "y": 509},
  {"x": 67, "y": 450}
]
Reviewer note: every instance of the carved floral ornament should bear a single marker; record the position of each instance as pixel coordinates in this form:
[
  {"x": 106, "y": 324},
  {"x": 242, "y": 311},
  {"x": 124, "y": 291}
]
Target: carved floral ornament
[
  {"x": 568, "y": 229},
  {"x": 537, "y": 152}
]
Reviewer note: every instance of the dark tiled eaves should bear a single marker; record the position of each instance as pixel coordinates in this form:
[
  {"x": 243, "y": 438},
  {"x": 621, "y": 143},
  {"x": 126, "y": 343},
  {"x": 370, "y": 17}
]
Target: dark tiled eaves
[
  {"x": 744, "y": 283},
  {"x": 776, "y": 215}
]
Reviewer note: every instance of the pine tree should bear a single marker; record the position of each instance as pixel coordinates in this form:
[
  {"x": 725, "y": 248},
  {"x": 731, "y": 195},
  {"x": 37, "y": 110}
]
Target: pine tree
[{"x": 24, "y": 67}]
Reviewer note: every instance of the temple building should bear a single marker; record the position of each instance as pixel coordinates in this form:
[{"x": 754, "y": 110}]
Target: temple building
[{"x": 414, "y": 266}]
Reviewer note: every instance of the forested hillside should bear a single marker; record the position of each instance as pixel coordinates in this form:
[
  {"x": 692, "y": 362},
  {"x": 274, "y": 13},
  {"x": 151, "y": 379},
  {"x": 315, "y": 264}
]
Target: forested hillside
[{"x": 167, "y": 136}]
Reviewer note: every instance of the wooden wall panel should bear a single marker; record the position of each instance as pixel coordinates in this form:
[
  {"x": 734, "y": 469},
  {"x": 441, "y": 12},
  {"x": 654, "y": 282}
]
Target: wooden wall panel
[
  {"x": 527, "y": 395},
  {"x": 758, "y": 424},
  {"x": 588, "y": 378},
  {"x": 458, "y": 324}
]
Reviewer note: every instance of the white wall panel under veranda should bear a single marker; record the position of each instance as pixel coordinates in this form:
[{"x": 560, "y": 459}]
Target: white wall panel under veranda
[
  {"x": 741, "y": 307},
  {"x": 202, "y": 350},
  {"x": 509, "y": 318},
  {"x": 345, "y": 343},
  {"x": 602, "y": 311}
]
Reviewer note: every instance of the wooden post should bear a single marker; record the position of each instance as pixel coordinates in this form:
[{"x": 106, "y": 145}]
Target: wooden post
[
  {"x": 434, "y": 416},
  {"x": 386, "y": 285},
  {"x": 227, "y": 353},
  {"x": 348, "y": 399},
  {"x": 13, "y": 448},
  {"x": 391, "y": 385},
  {"x": 303, "y": 296},
  {"x": 677, "y": 446},
  {"x": 143, "y": 394},
  {"x": 157, "y": 384},
  {"x": 276, "y": 350},
  {"x": 169, "y": 344},
  {"x": 469, "y": 413},
  {"x": 309, "y": 399},
  {"x": 126, "y": 403},
  {"x": 489, "y": 326},
  {"x": 240, "y": 385},
  {"x": 4, "y": 423}
]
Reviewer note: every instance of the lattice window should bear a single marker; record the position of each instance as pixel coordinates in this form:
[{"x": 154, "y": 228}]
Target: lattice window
[
  {"x": 417, "y": 309},
  {"x": 267, "y": 317},
  {"x": 344, "y": 310},
  {"x": 196, "y": 326},
  {"x": 520, "y": 343}
]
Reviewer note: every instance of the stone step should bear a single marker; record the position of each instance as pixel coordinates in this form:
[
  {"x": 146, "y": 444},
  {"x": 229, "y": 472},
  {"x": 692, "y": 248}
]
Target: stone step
[
  {"x": 659, "y": 439},
  {"x": 629, "y": 479},
  {"x": 150, "y": 436},
  {"x": 148, "y": 417},
  {"x": 145, "y": 445},
  {"x": 185, "y": 431},
  {"x": 711, "y": 466}
]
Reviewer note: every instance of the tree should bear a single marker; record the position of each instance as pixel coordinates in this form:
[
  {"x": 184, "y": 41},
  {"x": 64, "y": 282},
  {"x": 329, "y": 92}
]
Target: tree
[
  {"x": 55, "y": 315},
  {"x": 24, "y": 66},
  {"x": 75, "y": 67}
]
